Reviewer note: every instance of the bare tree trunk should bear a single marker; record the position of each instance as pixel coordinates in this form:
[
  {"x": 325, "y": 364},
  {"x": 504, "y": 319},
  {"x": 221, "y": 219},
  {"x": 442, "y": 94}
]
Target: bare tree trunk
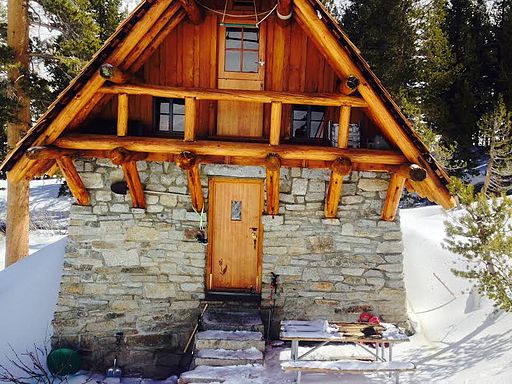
[{"x": 17, "y": 230}]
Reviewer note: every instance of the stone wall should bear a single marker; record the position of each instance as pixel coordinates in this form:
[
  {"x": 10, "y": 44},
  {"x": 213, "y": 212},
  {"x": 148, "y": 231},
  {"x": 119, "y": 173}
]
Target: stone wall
[{"x": 141, "y": 272}]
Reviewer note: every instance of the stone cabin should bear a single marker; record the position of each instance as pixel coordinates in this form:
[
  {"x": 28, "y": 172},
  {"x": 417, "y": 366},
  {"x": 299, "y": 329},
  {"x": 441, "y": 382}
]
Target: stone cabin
[{"x": 206, "y": 152}]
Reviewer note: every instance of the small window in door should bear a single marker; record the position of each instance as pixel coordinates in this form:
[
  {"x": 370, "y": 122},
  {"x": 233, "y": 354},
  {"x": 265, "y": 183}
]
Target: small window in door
[
  {"x": 242, "y": 49},
  {"x": 170, "y": 116},
  {"x": 309, "y": 123}
]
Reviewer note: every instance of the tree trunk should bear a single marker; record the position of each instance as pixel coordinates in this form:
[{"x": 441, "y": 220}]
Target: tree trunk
[{"x": 17, "y": 227}]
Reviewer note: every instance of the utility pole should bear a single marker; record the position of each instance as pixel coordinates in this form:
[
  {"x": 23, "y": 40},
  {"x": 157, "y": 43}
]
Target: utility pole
[{"x": 17, "y": 228}]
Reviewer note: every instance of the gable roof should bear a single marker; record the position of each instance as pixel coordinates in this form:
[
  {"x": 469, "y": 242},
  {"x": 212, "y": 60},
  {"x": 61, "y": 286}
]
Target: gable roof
[{"x": 39, "y": 133}]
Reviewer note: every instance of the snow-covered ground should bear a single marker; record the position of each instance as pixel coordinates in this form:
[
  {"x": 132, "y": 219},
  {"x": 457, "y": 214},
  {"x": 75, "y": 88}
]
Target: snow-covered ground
[{"x": 460, "y": 337}]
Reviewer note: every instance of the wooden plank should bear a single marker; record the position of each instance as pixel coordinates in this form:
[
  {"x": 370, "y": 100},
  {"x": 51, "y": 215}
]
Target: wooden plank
[
  {"x": 339, "y": 169},
  {"x": 131, "y": 175},
  {"x": 275, "y": 122},
  {"x": 75, "y": 184},
  {"x": 395, "y": 188},
  {"x": 324, "y": 99},
  {"x": 87, "y": 91},
  {"x": 273, "y": 171},
  {"x": 342, "y": 63},
  {"x": 344, "y": 126},
  {"x": 190, "y": 119},
  {"x": 122, "y": 114},
  {"x": 226, "y": 148}
]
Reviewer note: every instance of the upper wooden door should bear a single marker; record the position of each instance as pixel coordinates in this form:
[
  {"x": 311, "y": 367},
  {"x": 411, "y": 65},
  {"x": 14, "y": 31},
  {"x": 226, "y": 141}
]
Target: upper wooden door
[
  {"x": 235, "y": 235},
  {"x": 241, "y": 66}
]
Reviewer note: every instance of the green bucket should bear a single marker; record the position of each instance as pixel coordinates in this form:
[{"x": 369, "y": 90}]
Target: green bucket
[{"x": 63, "y": 361}]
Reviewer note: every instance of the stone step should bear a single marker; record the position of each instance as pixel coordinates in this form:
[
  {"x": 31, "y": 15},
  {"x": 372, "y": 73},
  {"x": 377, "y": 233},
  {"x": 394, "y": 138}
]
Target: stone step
[
  {"x": 207, "y": 374},
  {"x": 224, "y": 357},
  {"x": 232, "y": 321},
  {"x": 234, "y": 340}
]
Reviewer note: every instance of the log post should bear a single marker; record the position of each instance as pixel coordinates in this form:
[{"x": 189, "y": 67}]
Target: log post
[
  {"x": 349, "y": 85},
  {"x": 340, "y": 167},
  {"x": 395, "y": 188},
  {"x": 17, "y": 226},
  {"x": 188, "y": 161},
  {"x": 273, "y": 173},
  {"x": 195, "y": 14},
  {"x": 75, "y": 184},
  {"x": 190, "y": 119},
  {"x": 122, "y": 114},
  {"x": 284, "y": 12},
  {"x": 344, "y": 126},
  {"x": 275, "y": 122},
  {"x": 131, "y": 175}
]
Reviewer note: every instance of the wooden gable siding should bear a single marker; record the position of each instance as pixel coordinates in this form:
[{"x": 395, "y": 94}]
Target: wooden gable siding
[{"x": 188, "y": 58}]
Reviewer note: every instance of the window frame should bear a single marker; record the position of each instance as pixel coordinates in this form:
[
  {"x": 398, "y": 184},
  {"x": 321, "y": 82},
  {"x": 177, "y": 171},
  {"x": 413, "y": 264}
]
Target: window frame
[
  {"x": 157, "y": 101},
  {"x": 324, "y": 139},
  {"x": 230, "y": 75}
]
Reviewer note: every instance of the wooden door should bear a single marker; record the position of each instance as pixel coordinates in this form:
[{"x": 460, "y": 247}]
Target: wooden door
[
  {"x": 241, "y": 66},
  {"x": 235, "y": 235}
]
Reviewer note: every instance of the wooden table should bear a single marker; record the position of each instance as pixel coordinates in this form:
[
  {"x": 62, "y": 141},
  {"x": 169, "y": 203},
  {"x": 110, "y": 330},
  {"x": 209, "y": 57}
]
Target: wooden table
[{"x": 323, "y": 333}]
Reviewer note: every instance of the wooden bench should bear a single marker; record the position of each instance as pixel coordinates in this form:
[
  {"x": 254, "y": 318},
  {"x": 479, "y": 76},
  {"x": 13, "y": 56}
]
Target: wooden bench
[{"x": 346, "y": 366}]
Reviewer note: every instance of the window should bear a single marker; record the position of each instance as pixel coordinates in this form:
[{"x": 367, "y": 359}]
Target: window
[
  {"x": 170, "y": 116},
  {"x": 242, "y": 50},
  {"x": 309, "y": 123}
]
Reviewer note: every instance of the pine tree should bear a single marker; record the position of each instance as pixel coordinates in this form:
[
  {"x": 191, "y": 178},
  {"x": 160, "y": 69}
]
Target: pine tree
[
  {"x": 383, "y": 31},
  {"x": 471, "y": 94},
  {"x": 503, "y": 36},
  {"x": 482, "y": 235}
]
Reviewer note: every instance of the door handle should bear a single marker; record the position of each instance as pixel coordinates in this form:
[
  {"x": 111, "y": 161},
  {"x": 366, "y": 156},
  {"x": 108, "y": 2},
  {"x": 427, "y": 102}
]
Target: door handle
[{"x": 254, "y": 235}]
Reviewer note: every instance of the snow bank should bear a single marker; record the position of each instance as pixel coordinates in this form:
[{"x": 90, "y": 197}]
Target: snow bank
[{"x": 28, "y": 296}]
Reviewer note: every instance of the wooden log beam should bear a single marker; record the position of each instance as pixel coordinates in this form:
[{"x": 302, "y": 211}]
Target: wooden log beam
[
  {"x": 194, "y": 12},
  {"x": 344, "y": 126},
  {"x": 86, "y": 92},
  {"x": 47, "y": 152},
  {"x": 116, "y": 75},
  {"x": 273, "y": 174},
  {"x": 341, "y": 167},
  {"x": 344, "y": 66},
  {"x": 412, "y": 171},
  {"x": 75, "y": 184},
  {"x": 276, "y": 115},
  {"x": 79, "y": 141},
  {"x": 131, "y": 175},
  {"x": 324, "y": 99},
  {"x": 122, "y": 114},
  {"x": 349, "y": 85},
  {"x": 284, "y": 12},
  {"x": 188, "y": 161},
  {"x": 190, "y": 119},
  {"x": 121, "y": 156},
  {"x": 18, "y": 220},
  {"x": 396, "y": 186}
]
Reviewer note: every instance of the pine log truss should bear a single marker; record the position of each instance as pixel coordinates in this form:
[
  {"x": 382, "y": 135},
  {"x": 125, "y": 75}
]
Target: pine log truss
[
  {"x": 340, "y": 168},
  {"x": 188, "y": 161}
]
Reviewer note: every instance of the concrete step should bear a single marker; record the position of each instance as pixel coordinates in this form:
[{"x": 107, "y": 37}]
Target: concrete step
[
  {"x": 224, "y": 357},
  {"x": 207, "y": 374},
  {"x": 233, "y": 321},
  {"x": 233, "y": 340}
]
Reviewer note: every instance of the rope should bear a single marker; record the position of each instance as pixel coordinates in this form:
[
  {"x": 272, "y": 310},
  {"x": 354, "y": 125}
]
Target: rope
[
  {"x": 266, "y": 13},
  {"x": 201, "y": 217}
]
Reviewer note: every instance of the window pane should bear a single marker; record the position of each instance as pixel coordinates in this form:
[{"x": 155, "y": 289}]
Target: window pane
[
  {"x": 233, "y": 38},
  {"x": 164, "y": 123},
  {"x": 250, "y": 61},
  {"x": 315, "y": 115},
  {"x": 232, "y": 61},
  {"x": 251, "y": 39},
  {"x": 299, "y": 129},
  {"x": 178, "y": 123},
  {"x": 236, "y": 210},
  {"x": 178, "y": 107},
  {"x": 316, "y": 129},
  {"x": 164, "y": 107}
]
